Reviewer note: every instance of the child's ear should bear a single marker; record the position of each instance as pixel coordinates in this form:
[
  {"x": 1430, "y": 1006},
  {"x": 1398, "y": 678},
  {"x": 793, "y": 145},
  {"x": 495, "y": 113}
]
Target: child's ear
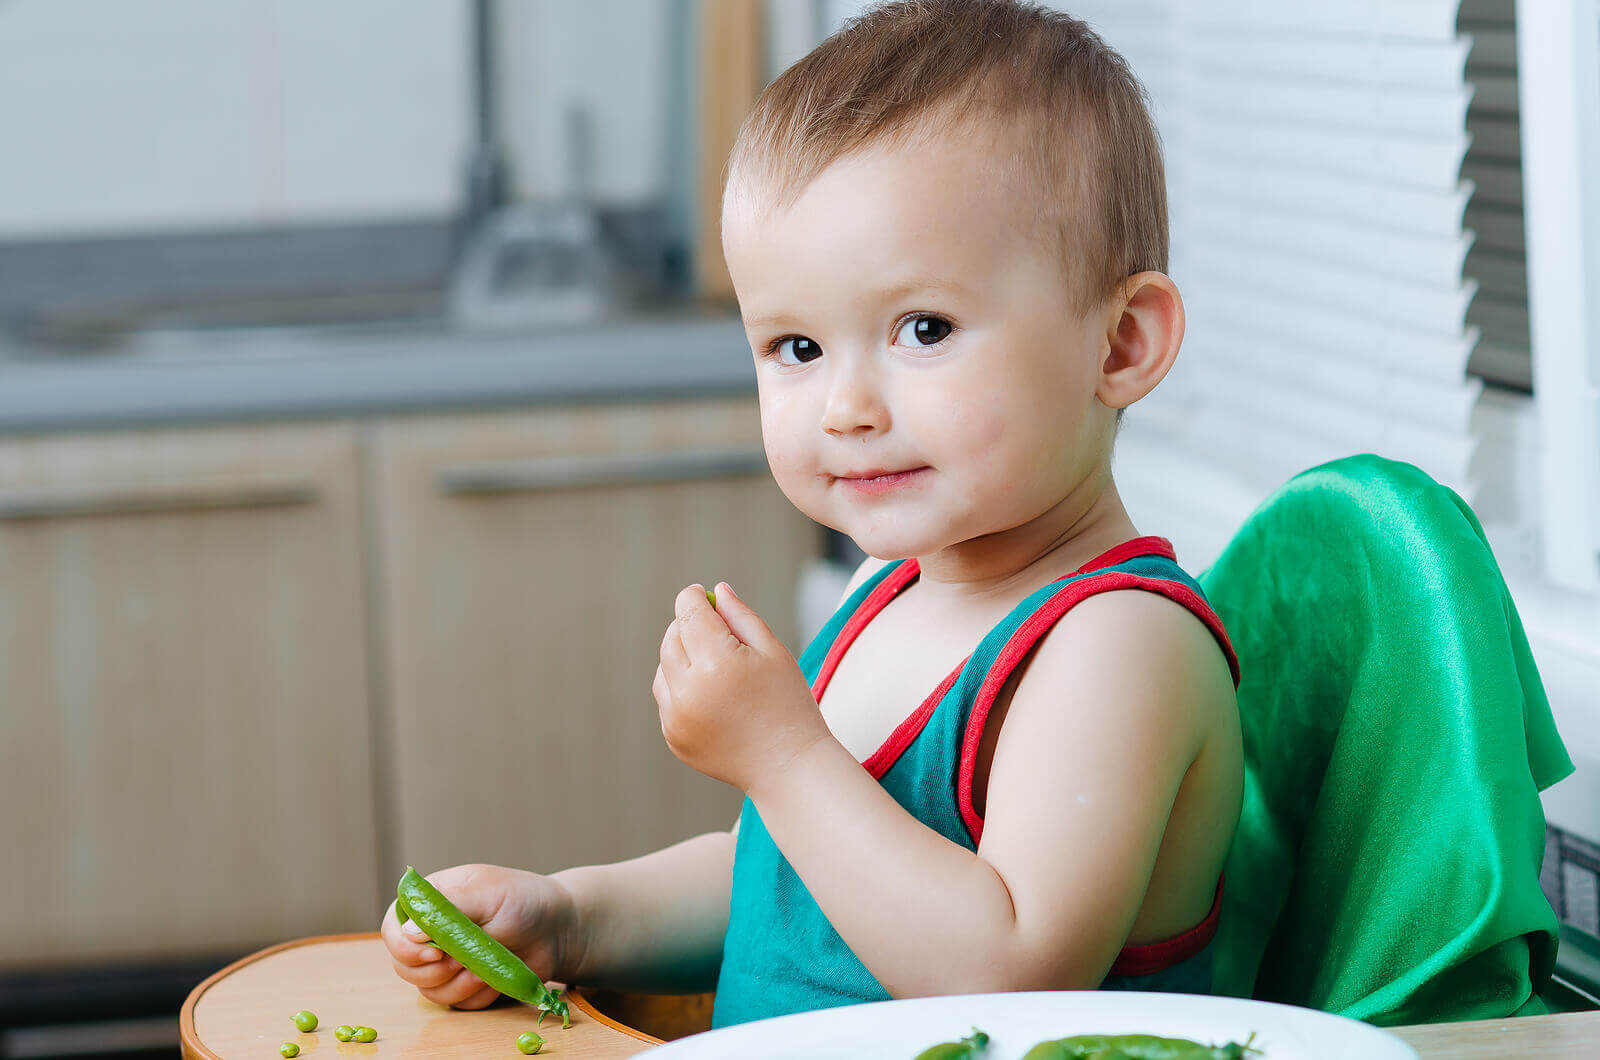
[{"x": 1145, "y": 329}]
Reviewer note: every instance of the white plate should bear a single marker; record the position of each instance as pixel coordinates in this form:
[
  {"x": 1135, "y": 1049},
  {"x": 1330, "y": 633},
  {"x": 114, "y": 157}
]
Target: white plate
[{"x": 899, "y": 1030}]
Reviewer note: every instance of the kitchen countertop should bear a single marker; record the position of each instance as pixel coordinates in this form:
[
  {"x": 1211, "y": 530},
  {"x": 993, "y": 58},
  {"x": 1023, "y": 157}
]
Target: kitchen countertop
[{"x": 177, "y": 378}]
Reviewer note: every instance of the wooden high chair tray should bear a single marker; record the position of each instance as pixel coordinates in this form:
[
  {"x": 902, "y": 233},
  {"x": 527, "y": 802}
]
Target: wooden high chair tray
[{"x": 243, "y": 1012}]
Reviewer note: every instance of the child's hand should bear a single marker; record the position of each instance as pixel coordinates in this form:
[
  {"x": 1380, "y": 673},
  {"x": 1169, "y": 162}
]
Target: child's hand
[
  {"x": 532, "y": 915},
  {"x": 734, "y": 704}
]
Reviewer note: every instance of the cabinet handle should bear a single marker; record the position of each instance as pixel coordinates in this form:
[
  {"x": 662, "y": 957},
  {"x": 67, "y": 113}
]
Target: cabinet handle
[
  {"x": 146, "y": 498},
  {"x": 574, "y": 472}
]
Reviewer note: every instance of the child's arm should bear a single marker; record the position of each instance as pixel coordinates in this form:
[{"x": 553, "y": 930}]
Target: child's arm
[
  {"x": 1118, "y": 700},
  {"x": 654, "y": 924}
]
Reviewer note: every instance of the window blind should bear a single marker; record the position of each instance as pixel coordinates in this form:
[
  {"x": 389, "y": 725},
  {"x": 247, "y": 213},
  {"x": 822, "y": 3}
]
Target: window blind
[{"x": 1320, "y": 237}]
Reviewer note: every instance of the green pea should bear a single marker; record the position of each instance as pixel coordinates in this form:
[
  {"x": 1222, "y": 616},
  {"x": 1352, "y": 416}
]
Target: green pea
[
  {"x": 712, "y": 597},
  {"x": 344, "y": 1032},
  {"x": 306, "y": 1021},
  {"x": 529, "y": 1042},
  {"x": 289, "y": 1049},
  {"x": 366, "y": 1034}
]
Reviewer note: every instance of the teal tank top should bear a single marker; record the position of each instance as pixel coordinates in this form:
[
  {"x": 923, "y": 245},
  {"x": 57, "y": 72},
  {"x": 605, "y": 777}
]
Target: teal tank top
[{"x": 780, "y": 954}]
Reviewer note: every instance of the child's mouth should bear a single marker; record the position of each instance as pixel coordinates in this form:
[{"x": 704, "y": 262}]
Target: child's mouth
[{"x": 875, "y": 480}]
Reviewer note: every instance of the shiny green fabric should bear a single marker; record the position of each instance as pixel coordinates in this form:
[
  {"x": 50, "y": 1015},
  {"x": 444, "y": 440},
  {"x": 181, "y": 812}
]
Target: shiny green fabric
[{"x": 1397, "y": 737}]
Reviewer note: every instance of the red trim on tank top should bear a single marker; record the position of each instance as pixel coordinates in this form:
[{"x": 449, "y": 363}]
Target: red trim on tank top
[
  {"x": 876, "y": 601},
  {"x": 1132, "y": 549},
  {"x": 906, "y": 732},
  {"x": 1027, "y": 635},
  {"x": 1132, "y": 960},
  {"x": 1159, "y": 956}
]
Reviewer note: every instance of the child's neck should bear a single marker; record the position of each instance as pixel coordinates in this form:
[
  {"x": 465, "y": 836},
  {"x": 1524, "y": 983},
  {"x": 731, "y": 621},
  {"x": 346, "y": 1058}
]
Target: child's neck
[{"x": 1014, "y": 562}]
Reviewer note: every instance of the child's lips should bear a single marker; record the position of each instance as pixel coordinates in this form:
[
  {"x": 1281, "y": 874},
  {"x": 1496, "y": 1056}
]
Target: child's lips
[{"x": 880, "y": 480}]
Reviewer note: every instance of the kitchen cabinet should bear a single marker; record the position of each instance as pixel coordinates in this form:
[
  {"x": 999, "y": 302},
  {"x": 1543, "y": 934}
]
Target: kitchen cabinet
[
  {"x": 185, "y": 762},
  {"x": 529, "y": 563},
  {"x": 248, "y": 673}
]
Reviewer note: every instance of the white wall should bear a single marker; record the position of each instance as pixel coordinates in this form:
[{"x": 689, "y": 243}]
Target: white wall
[
  {"x": 162, "y": 115},
  {"x": 610, "y": 59}
]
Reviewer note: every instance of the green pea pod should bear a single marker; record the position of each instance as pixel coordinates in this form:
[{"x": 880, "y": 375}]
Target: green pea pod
[
  {"x": 970, "y": 1046},
  {"x": 1135, "y": 1047},
  {"x": 460, "y": 936}
]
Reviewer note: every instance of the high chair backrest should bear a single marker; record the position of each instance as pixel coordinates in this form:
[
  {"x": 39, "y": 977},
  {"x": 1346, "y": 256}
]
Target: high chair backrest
[{"x": 1396, "y": 739}]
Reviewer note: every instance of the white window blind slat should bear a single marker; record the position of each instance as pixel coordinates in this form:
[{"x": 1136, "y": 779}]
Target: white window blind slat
[
  {"x": 1439, "y": 356},
  {"x": 1302, "y": 193},
  {"x": 1289, "y": 280},
  {"x": 1355, "y": 59},
  {"x": 1433, "y": 162},
  {"x": 1341, "y": 105},
  {"x": 1380, "y": 255},
  {"x": 1336, "y": 427},
  {"x": 1425, "y": 20},
  {"x": 1425, "y": 403}
]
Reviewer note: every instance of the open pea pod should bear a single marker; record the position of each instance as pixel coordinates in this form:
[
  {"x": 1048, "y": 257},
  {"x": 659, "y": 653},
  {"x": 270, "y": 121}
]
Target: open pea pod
[{"x": 462, "y": 938}]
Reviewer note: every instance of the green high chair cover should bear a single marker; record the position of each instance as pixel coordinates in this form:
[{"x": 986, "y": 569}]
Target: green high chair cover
[{"x": 1396, "y": 739}]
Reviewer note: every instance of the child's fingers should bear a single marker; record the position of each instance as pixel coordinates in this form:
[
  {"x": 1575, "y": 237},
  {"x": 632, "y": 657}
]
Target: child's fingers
[
  {"x": 742, "y": 619},
  {"x": 483, "y": 997},
  {"x": 407, "y": 943},
  {"x": 460, "y": 990},
  {"x": 704, "y": 632},
  {"x": 673, "y": 655},
  {"x": 428, "y": 976}
]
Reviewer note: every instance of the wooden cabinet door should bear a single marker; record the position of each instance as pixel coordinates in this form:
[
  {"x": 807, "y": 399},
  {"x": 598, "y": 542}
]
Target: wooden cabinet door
[
  {"x": 531, "y": 562},
  {"x": 184, "y": 724}
]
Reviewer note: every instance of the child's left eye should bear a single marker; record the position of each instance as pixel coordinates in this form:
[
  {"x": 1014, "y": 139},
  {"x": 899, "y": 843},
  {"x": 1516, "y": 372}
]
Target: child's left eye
[{"x": 925, "y": 327}]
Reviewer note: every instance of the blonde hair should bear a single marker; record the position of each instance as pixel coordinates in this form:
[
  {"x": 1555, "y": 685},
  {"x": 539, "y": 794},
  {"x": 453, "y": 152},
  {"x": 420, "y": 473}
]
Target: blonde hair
[{"x": 1089, "y": 152}]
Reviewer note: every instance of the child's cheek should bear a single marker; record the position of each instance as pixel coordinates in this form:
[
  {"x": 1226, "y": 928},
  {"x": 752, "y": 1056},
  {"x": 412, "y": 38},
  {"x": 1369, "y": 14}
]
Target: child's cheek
[{"x": 978, "y": 430}]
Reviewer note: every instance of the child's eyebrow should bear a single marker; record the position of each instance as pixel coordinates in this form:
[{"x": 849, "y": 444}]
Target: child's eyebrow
[{"x": 883, "y": 294}]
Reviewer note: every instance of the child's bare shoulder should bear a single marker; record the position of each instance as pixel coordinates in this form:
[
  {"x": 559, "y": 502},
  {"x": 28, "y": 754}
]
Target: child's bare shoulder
[{"x": 1144, "y": 647}]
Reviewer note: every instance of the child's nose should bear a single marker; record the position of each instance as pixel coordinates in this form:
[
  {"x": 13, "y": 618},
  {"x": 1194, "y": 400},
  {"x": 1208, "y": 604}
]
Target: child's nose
[{"x": 855, "y": 403}]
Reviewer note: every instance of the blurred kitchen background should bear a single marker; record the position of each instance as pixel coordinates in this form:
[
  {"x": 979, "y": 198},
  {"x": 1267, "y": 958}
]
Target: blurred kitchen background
[{"x": 370, "y": 380}]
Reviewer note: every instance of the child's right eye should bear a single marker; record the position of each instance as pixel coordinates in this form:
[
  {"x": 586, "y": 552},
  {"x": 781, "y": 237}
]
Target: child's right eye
[{"x": 805, "y": 350}]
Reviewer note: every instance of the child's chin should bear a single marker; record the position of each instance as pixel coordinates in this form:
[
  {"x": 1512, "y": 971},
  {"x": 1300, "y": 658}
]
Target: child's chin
[{"x": 887, "y": 548}]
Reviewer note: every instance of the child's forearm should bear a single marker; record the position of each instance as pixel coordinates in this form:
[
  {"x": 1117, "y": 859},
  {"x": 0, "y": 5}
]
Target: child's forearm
[
  {"x": 925, "y": 915},
  {"x": 654, "y": 924}
]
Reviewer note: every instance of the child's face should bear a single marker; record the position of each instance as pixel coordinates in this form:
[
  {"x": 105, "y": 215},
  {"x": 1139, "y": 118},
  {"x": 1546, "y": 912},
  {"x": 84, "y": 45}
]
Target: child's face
[{"x": 985, "y": 393}]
